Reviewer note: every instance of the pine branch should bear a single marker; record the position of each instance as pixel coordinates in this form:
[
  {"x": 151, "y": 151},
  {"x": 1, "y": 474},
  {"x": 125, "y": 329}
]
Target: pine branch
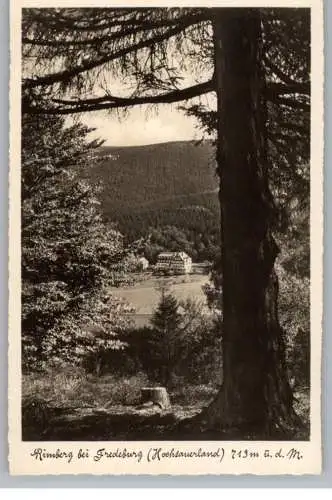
[
  {"x": 112, "y": 102},
  {"x": 278, "y": 72},
  {"x": 95, "y": 41},
  {"x": 284, "y": 136},
  {"x": 65, "y": 107},
  {"x": 92, "y": 24},
  {"x": 134, "y": 28},
  {"x": 111, "y": 18},
  {"x": 289, "y": 102},
  {"x": 296, "y": 127},
  {"x": 66, "y": 75},
  {"x": 277, "y": 89}
]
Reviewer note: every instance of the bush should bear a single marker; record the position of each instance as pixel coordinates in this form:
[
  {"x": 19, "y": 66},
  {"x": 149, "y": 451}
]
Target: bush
[
  {"x": 299, "y": 359},
  {"x": 71, "y": 389},
  {"x": 294, "y": 308},
  {"x": 112, "y": 390},
  {"x": 56, "y": 387},
  {"x": 36, "y": 416},
  {"x": 192, "y": 353},
  {"x": 192, "y": 394}
]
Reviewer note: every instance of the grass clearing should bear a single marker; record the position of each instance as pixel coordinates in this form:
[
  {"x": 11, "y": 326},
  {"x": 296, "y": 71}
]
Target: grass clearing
[{"x": 144, "y": 296}]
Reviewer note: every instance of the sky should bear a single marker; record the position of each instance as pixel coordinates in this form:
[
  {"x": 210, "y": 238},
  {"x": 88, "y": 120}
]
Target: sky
[
  {"x": 147, "y": 124},
  {"x": 143, "y": 126}
]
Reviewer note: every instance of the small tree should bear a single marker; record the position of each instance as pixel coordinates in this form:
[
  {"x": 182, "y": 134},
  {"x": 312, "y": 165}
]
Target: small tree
[{"x": 165, "y": 324}]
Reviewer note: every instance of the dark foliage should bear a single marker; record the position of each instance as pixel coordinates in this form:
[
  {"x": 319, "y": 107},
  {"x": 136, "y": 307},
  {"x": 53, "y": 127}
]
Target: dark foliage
[
  {"x": 181, "y": 344},
  {"x": 66, "y": 249}
]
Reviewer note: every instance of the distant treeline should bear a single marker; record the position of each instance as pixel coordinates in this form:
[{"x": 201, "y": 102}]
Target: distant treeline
[{"x": 194, "y": 229}]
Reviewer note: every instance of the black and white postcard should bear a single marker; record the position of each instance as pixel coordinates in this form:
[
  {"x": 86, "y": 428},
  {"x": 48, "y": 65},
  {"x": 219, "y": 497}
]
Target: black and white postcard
[{"x": 166, "y": 237}]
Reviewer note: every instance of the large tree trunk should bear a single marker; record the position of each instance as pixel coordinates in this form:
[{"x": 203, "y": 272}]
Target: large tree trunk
[{"x": 255, "y": 397}]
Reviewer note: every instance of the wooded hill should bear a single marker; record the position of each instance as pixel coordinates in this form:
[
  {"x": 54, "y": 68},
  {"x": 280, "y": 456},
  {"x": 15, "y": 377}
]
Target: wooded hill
[
  {"x": 142, "y": 176},
  {"x": 170, "y": 185}
]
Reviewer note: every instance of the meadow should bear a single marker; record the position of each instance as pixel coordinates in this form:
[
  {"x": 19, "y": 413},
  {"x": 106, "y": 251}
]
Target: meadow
[{"x": 144, "y": 295}]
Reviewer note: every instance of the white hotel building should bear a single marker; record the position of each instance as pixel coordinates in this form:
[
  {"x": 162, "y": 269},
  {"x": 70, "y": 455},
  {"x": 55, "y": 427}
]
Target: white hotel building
[{"x": 174, "y": 262}]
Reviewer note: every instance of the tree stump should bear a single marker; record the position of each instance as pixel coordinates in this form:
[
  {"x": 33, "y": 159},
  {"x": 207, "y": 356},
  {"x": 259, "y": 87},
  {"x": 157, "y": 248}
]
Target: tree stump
[{"x": 157, "y": 396}]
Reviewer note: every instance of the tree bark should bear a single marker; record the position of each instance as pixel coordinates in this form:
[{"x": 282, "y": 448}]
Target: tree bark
[
  {"x": 256, "y": 396},
  {"x": 98, "y": 363}
]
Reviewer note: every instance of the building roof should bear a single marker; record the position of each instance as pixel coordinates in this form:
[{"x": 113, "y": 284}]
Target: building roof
[{"x": 173, "y": 255}]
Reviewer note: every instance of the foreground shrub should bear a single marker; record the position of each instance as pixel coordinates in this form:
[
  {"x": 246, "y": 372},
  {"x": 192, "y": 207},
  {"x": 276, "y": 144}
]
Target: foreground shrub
[
  {"x": 182, "y": 342},
  {"x": 72, "y": 389},
  {"x": 36, "y": 416},
  {"x": 193, "y": 395},
  {"x": 294, "y": 308},
  {"x": 56, "y": 387},
  {"x": 112, "y": 390}
]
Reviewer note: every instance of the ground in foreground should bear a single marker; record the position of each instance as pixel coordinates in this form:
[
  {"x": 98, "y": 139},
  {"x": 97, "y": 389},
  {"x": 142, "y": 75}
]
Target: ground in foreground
[{"x": 97, "y": 417}]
